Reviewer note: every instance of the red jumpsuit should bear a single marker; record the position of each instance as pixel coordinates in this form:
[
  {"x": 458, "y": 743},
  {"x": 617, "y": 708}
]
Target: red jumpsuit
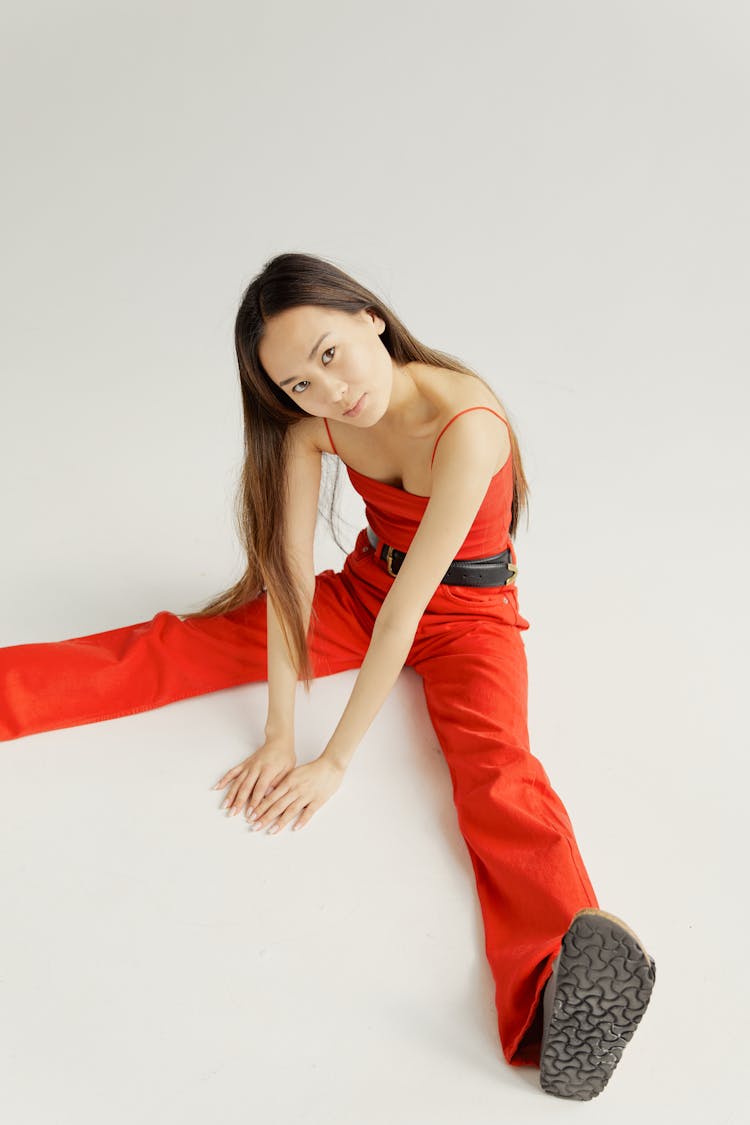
[{"x": 469, "y": 651}]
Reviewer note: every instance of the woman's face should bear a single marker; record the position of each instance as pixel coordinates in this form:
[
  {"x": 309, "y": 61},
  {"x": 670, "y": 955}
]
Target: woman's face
[{"x": 326, "y": 359}]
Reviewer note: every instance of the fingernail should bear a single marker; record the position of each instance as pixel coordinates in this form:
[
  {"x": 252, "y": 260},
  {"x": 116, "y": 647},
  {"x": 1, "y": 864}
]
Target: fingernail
[
  {"x": 272, "y": 830},
  {"x": 255, "y": 827}
]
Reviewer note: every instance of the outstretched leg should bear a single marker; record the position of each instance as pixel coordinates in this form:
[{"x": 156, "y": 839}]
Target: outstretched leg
[
  {"x": 51, "y": 685},
  {"x": 530, "y": 877}
]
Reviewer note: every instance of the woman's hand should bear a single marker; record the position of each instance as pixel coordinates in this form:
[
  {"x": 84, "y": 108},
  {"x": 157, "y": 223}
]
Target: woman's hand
[
  {"x": 302, "y": 791},
  {"x": 254, "y": 777}
]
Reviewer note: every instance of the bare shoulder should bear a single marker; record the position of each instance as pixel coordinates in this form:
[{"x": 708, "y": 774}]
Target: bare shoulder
[
  {"x": 447, "y": 390},
  {"x": 306, "y": 434},
  {"x": 455, "y": 391},
  {"x": 465, "y": 392}
]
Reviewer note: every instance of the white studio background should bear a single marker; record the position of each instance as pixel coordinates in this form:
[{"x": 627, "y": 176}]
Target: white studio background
[{"x": 555, "y": 192}]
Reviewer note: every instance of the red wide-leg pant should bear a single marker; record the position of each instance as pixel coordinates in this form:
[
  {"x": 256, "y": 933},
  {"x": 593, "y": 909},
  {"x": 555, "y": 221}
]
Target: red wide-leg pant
[{"x": 470, "y": 654}]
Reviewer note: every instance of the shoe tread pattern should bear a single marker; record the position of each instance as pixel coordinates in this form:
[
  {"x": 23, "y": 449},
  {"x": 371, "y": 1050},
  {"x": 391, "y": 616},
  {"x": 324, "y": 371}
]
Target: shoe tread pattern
[{"x": 603, "y": 985}]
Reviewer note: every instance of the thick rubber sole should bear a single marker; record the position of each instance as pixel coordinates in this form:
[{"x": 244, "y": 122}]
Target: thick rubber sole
[{"x": 599, "y": 989}]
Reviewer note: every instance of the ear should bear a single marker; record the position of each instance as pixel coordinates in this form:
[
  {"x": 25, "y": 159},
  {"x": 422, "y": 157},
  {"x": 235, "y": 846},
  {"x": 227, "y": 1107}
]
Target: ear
[{"x": 376, "y": 320}]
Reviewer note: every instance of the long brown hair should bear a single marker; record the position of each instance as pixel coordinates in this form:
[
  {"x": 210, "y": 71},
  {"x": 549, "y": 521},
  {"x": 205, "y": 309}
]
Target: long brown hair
[{"x": 285, "y": 282}]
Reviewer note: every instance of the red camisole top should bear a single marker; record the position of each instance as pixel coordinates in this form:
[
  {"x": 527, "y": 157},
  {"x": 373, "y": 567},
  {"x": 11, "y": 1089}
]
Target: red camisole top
[{"x": 395, "y": 514}]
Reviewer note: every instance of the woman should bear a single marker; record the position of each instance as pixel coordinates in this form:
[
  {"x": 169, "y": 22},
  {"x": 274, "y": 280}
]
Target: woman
[{"x": 326, "y": 367}]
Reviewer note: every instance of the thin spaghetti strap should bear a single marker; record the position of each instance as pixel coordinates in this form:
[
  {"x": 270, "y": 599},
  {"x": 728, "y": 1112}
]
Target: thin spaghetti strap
[
  {"x": 468, "y": 408},
  {"x": 335, "y": 450}
]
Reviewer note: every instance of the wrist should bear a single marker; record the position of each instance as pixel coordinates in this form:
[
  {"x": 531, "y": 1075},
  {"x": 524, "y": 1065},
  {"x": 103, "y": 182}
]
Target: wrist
[
  {"x": 336, "y": 758},
  {"x": 279, "y": 729}
]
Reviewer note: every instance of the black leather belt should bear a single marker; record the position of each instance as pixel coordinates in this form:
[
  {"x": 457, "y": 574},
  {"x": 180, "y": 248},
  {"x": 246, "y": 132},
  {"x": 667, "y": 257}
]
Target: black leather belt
[{"x": 495, "y": 570}]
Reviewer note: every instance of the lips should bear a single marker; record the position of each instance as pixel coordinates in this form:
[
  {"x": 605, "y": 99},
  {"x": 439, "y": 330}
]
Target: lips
[{"x": 356, "y": 404}]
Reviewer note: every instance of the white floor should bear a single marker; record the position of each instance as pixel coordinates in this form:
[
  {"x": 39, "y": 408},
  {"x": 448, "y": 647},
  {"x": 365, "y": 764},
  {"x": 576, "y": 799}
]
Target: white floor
[{"x": 162, "y": 962}]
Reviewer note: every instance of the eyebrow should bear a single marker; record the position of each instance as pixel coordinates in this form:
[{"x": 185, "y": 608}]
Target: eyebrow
[{"x": 313, "y": 350}]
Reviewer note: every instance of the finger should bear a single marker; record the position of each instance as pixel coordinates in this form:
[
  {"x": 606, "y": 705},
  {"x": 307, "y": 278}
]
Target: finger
[
  {"x": 244, "y": 790},
  {"x": 260, "y": 790},
  {"x": 289, "y": 814},
  {"x": 267, "y": 797},
  {"x": 267, "y": 805},
  {"x": 273, "y": 779},
  {"x": 226, "y": 778},
  {"x": 231, "y": 803},
  {"x": 274, "y": 809},
  {"x": 307, "y": 814},
  {"x": 233, "y": 787},
  {"x": 273, "y": 785}
]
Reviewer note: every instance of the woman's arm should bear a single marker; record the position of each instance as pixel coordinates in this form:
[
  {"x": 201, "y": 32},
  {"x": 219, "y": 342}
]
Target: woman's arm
[
  {"x": 306, "y": 788},
  {"x": 385, "y": 657},
  {"x": 304, "y": 469},
  {"x": 462, "y": 471},
  {"x": 261, "y": 771},
  {"x": 282, "y": 674}
]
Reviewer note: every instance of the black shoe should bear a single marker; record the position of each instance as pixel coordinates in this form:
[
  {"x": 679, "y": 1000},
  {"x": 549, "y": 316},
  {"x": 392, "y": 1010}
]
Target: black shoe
[{"x": 599, "y": 989}]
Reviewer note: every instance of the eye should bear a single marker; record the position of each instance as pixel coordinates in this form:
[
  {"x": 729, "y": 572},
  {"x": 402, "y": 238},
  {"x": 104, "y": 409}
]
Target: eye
[{"x": 331, "y": 349}]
